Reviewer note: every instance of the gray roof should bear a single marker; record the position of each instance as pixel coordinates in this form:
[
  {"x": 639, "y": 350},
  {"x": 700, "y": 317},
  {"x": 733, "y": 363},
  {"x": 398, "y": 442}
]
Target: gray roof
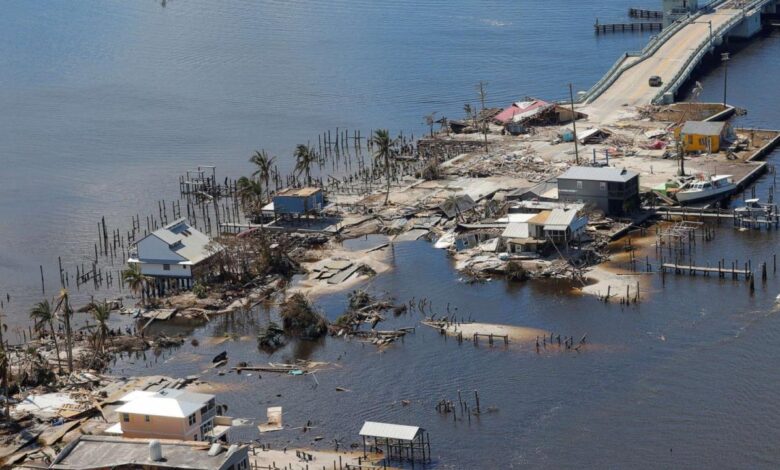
[
  {"x": 186, "y": 241},
  {"x": 92, "y": 452},
  {"x": 703, "y": 128},
  {"x": 389, "y": 431},
  {"x": 560, "y": 219},
  {"x": 606, "y": 173}
]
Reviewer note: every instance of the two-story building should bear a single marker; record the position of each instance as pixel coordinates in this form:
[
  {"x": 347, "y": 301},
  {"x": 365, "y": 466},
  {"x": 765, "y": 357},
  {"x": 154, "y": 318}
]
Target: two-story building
[
  {"x": 175, "y": 254},
  {"x": 170, "y": 414},
  {"x": 614, "y": 191}
]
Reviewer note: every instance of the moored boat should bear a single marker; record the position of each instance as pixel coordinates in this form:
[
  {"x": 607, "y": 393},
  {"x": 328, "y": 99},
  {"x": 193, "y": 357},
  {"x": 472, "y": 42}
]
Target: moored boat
[{"x": 708, "y": 188}]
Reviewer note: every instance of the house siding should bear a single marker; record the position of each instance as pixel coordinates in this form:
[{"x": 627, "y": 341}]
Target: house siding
[{"x": 609, "y": 197}]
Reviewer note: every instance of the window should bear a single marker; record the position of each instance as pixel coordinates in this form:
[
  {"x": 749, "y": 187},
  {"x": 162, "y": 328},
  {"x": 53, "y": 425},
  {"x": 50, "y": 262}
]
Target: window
[
  {"x": 191, "y": 419},
  {"x": 125, "y": 417},
  {"x": 579, "y": 184},
  {"x": 603, "y": 186},
  {"x": 166, "y": 267},
  {"x": 147, "y": 418}
]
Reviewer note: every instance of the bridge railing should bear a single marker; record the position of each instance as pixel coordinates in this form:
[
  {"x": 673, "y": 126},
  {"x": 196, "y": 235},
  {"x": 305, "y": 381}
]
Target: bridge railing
[
  {"x": 682, "y": 75},
  {"x": 650, "y": 48}
]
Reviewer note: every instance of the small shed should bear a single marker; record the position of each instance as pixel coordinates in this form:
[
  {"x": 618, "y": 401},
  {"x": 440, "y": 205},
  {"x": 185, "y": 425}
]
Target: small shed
[
  {"x": 298, "y": 201},
  {"x": 703, "y": 136},
  {"x": 398, "y": 441}
]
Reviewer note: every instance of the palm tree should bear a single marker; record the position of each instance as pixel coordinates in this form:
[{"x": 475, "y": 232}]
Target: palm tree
[
  {"x": 304, "y": 157},
  {"x": 430, "y": 120},
  {"x": 101, "y": 313},
  {"x": 469, "y": 113},
  {"x": 43, "y": 316},
  {"x": 63, "y": 307},
  {"x": 136, "y": 280},
  {"x": 382, "y": 154},
  {"x": 264, "y": 169},
  {"x": 250, "y": 191}
]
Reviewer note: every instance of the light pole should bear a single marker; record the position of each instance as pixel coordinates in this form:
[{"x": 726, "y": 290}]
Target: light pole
[
  {"x": 724, "y": 57},
  {"x": 710, "y": 25},
  {"x": 574, "y": 125}
]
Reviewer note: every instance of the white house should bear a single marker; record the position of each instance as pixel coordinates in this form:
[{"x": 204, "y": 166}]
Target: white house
[
  {"x": 170, "y": 414},
  {"x": 173, "y": 253}
]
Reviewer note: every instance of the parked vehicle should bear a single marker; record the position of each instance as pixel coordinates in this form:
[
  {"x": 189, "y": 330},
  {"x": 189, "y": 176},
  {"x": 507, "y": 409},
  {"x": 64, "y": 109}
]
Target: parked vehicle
[{"x": 655, "y": 81}]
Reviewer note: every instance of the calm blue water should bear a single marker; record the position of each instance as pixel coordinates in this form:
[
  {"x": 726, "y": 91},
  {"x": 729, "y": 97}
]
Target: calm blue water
[{"x": 106, "y": 103}]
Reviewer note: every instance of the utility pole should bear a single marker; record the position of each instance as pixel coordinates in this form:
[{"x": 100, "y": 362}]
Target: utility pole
[
  {"x": 574, "y": 124},
  {"x": 482, "y": 96},
  {"x": 724, "y": 57}
]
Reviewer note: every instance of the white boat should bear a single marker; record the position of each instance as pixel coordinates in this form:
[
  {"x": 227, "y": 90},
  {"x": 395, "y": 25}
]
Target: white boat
[
  {"x": 708, "y": 188},
  {"x": 752, "y": 208}
]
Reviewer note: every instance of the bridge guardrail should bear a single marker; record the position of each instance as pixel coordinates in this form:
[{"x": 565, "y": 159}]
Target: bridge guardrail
[
  {"x": 650, "y": 48},
  {"x": 703, "y": 47}
]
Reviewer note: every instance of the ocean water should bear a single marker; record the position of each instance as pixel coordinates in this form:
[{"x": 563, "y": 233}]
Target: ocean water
[{"x": 106, "y": 103}]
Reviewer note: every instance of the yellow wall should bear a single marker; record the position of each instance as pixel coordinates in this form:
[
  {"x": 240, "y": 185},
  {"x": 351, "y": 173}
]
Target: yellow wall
[
  {"x": 160, "y": 427},
  {"x": 697, "y": 142}
]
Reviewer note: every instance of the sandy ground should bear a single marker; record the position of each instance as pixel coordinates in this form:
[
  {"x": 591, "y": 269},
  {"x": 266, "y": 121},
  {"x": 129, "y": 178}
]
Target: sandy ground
[
  {"x": 280, "y": 459},
  {"x": 376, "y": 260},
  {"x": 519, "y": 334}
]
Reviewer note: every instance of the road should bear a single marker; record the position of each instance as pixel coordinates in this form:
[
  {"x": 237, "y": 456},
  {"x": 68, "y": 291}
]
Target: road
[{"x": 632, "y": 88}]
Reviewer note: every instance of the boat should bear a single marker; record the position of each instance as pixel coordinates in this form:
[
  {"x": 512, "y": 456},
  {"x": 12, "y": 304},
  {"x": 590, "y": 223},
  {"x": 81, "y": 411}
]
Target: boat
[
  {"x": 708, "y": 188},
  {"x": 752, "y": 208}
]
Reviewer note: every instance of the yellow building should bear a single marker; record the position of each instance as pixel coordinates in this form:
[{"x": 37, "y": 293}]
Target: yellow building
[{"x": 703, "y": 136}]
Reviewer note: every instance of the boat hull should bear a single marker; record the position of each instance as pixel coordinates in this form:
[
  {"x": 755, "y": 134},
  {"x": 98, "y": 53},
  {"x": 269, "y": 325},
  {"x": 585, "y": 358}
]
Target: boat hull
[{"x": 684, "y": 197}]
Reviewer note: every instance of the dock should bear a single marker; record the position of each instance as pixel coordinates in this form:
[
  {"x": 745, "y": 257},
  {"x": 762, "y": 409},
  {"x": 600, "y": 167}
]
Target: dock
[
  {"x": 722, "y": 271},
  {"x": 641, "y": 13},
  {"x": 640, "y": 26}
]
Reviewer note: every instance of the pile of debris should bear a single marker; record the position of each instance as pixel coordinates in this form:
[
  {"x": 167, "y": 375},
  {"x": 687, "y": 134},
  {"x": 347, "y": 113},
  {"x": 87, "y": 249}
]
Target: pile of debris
[{"x": 365, "y": 309}]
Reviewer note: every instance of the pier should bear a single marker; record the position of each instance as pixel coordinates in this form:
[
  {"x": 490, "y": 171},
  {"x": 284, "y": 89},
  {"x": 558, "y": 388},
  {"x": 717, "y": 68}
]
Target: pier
[
  {"x": 721, "y": 271},
  {"x": 602, "y": 28}
]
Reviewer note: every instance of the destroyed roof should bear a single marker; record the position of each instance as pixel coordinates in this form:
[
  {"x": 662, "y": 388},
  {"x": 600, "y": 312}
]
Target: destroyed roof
[
  {"x": 390, "y": 431},
  {"x": 606, "y": 173},
  {"x": 92, "y": 452},
  {"x": 588, "y": 134},
  {"x": 186, "y": 241},
  {"x": 460, "y": 204},
  {"x": 522, "y": 110},
  {"x": 560, "y": 219},
  {"x": 299, "y": 192},
  {"x": 703, "y": 128},
  {"x": 168, "y": 402}
]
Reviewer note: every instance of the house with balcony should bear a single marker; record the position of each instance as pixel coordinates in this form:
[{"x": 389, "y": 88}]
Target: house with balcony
[
  {"x": 170, "y": 414},
  {"x": 174, "y": 255},
  {"x": 614, "y": 191}
]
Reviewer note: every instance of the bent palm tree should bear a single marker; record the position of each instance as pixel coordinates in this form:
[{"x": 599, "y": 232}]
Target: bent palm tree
[
  {"x": 101, "y": 313},
  {"x": 264, "y": 169},
  {"x": 43, "y": 316},
  {"x": 304, "y": 158},
  {"x": 63, "y": 307},
  {"x": 383, "y": 153},
  {"x": 135, "y": 280}
]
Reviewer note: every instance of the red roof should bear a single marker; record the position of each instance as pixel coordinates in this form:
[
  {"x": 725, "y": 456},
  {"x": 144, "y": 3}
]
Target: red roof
[{"x": 521, "y": 107}]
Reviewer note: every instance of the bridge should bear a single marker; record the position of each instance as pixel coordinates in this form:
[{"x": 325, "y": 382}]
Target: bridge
[{"x": 672, "y": 55}]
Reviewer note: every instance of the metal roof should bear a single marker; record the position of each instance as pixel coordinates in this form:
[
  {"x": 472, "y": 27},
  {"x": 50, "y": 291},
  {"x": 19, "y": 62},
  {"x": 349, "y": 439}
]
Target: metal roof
[
  {"x": 540, "y": 218},
  {"x": 167, "y": 402},
  {"x": 605, "y": 173},
  {"x": 299, "y": 192},
  {"x": 703, "y": 128},
  {"x": 521, "y": 110},
  {"x": 560, "y": 219},
  {"x": 390, "y": 431},
  {"x": 93, "y": 452},
  {"x": 516, "y": 230},
  {"x": 185, "y": 241}
]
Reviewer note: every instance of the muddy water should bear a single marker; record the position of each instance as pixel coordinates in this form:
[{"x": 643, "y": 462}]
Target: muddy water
[{"x": 676, "y": 379}]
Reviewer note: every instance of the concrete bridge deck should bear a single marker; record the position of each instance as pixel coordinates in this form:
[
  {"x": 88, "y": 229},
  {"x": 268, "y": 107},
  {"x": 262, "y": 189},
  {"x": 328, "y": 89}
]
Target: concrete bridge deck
[{"x": 672, "y": 60}]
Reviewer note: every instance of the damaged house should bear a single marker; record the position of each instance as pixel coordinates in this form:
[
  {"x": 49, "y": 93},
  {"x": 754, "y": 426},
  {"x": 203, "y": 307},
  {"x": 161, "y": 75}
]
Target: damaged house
[
  {"x": 520, "y": 116},
  {"x": 530, "y": 231}
]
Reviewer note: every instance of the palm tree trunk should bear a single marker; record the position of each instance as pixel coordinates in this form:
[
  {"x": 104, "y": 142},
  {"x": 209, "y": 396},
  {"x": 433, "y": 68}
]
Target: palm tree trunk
[
  {"x": 387, "y": 175},
  {"x": 69, "y": 342},
  {"x": 56, "y": 346}
]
